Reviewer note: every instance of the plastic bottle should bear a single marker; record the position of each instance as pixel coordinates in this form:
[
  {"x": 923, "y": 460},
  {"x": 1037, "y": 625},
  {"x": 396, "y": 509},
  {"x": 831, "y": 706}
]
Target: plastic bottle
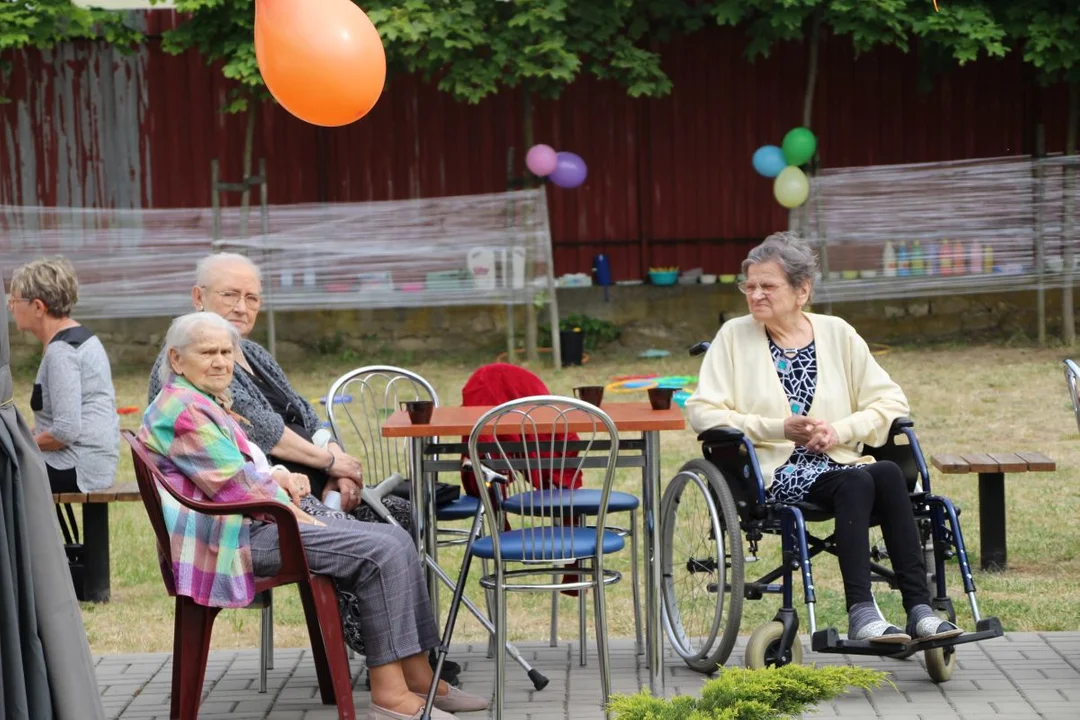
[
  {"x": 945, "y": 258},
  {"x": 988, "y": 259},
  {"x": 918, "y": 263},
  {"x": 959, "y": 258},
  {"x": 975, "y": 261},
  {"x": 888, "y": 260},
  {"x": 930, "y": 258},
  {"x": 903, "y": 260}
]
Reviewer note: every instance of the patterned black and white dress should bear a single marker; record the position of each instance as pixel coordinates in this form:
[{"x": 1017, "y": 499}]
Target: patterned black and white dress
[{"x": 797, "y": 370}]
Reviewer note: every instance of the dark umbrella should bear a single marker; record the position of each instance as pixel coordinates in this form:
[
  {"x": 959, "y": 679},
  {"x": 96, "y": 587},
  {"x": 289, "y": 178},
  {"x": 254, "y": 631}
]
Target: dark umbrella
[{"x": 45, "y": 665}]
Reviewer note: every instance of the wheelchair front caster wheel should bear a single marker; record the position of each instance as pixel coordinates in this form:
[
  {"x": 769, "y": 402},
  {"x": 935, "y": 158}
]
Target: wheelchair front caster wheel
[
  {"x": 940, "y": 663},
  {"x": 763, "y": 649}
]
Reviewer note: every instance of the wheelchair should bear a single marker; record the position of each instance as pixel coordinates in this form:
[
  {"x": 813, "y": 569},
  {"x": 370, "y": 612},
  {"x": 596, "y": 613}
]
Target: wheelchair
[{"x": 714, "y": 500}]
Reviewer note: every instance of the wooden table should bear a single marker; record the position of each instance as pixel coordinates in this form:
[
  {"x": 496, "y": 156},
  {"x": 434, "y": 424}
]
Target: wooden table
[
  {"x": 643, "y": 452},
  {"x": 88, "y": 556},
  {"x": 991, "y": 468}
]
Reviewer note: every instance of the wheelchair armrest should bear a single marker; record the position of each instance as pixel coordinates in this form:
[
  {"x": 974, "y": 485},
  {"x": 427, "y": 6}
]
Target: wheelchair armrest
[
  {"x": 901, "y": 423},
  {"x": 721, "y": 435}
]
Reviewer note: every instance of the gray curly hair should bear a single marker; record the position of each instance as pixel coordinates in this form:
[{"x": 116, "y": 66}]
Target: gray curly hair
[{"x": 793, "y": 254}]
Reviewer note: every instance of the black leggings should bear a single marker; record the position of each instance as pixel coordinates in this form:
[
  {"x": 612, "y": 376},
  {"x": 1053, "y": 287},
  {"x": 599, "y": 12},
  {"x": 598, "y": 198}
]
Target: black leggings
[
  {"x": 853, "y": 495},
  {"x": 62, "y": 481}
]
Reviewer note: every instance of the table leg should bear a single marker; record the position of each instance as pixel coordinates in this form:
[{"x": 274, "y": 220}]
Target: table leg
[
  {"x": 95, "y": 538},
  {"x": 416, "y": 462},
  {"x": 431, "y": 542},
  {"x": 650, "y": 509},
  {"x": 992, "y": 521}
]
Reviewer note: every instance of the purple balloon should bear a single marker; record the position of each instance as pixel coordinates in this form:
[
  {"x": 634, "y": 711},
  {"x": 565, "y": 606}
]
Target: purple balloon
[
  {"x": 541, "y": 160},
  {"x": 570, "y": 170}
]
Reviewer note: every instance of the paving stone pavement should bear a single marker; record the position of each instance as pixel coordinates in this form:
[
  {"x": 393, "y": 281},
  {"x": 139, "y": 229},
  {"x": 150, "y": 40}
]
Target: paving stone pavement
[{"x": 1022, "y": 676}]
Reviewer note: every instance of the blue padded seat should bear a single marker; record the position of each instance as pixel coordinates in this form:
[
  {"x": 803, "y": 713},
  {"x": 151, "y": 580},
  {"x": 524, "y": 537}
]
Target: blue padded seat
[
  {"x": 548, "y": 544},
  {"x": 586, "y": 502}
]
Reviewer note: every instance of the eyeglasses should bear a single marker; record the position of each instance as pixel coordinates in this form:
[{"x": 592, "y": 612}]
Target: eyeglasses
[
  {"x": 12, "y": 300},
  {"x": 231, "y": 298},
  {"x": 751, "y": 289}
]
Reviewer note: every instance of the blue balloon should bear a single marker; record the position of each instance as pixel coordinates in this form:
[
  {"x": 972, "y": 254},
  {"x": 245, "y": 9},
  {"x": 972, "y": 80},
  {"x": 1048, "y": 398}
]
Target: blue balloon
[{"x": 769, "y": 161}]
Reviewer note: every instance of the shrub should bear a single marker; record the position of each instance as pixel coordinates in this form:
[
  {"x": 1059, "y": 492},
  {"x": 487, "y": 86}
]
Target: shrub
[
  {"x": 741, "y": 694},
  {"x": 597, "y": 332}
]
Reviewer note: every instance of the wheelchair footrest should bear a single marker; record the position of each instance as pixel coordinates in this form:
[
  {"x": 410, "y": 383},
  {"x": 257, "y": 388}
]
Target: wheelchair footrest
[{"x": 829, "y": 641}]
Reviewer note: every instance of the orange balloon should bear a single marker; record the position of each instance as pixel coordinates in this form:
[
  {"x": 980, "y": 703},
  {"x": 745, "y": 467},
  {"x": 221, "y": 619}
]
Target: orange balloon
[{"x": 322, "y": 60}]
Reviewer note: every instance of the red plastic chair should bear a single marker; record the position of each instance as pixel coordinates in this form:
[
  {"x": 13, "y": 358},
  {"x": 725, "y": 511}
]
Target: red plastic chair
[{"x": 194, "y": 623}]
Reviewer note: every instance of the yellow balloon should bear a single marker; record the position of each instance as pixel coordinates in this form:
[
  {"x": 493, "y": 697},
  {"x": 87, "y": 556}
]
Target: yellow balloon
[{"x": 791, "y": 187}]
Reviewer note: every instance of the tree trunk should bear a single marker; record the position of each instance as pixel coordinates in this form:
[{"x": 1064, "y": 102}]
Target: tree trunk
[
  {"x": 1067, "y": 320},
  {"x": 812, "y": 69},
  {"x": 531, "y": 353},
  {"x": 249, "y": 150}
]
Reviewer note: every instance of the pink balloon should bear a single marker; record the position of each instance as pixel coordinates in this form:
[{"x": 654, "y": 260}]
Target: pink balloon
[{"x": 541, "y": 160}]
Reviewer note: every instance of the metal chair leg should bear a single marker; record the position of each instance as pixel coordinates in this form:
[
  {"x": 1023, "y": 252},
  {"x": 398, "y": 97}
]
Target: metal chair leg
[
  {"x": 583, "y": 633},
  {"x": 600, "y": 609},
  {"x": 270, "y": 630},
  {"x": 554, "y": 640},
  {"x": 636, "y": 580},
  {"x": 264, "y": 649}
]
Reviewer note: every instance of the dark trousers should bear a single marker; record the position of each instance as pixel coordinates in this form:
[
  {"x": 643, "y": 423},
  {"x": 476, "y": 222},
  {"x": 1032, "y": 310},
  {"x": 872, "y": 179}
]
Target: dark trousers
[
  {"x": 854, "y": 495},
  {"x": 62, "y": 481}
]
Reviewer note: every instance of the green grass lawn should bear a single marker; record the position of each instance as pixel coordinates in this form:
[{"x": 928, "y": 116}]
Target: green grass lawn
[{"x": 963, "y": 399}]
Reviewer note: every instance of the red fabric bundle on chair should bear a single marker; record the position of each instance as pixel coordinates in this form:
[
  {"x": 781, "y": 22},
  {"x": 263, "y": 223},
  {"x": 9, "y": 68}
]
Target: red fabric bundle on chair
[{"x": 497, "y": 383}]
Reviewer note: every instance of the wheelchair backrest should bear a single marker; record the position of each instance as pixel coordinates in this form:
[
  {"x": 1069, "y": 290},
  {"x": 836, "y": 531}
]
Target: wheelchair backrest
[
  {"x": 733, "y": 462},
  {"x": 902, "y": 453}
]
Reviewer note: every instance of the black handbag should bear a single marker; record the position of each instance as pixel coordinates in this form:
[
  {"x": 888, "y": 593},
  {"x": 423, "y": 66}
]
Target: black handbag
[{"x": 445, "y": 493}]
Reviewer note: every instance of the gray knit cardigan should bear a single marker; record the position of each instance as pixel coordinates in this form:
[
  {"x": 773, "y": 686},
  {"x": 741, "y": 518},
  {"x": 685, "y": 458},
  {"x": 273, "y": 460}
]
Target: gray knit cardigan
[{"x": 266, "y": 426}]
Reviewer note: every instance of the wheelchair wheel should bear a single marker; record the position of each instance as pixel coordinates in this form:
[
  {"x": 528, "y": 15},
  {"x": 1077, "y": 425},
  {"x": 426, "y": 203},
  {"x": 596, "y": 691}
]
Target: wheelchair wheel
[
  {"x": 702, "y": 560},
  {"x": 763, "y": 649},
  {"x": 940, "y": 662}
]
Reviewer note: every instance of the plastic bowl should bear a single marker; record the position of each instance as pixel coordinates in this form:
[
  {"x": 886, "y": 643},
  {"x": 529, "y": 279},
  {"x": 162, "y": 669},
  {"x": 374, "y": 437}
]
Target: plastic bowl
[
  {"x": 727, "y": 278},
  {"x": 708, "y": 279},
  {"x": 669, "y": 277}
]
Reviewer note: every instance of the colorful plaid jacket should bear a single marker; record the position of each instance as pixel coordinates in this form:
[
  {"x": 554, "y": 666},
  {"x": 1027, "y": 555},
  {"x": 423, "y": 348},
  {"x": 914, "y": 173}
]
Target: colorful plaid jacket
[{"x": 205, "y": 456}]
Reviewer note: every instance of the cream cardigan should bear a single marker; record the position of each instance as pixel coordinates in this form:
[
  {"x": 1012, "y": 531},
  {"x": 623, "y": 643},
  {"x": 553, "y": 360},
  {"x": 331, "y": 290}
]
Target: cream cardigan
[{"x": 738, "y": 386}]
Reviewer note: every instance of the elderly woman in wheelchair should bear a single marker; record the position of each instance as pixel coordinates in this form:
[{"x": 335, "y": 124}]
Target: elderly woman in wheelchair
[{"x": 798, "y": 400}]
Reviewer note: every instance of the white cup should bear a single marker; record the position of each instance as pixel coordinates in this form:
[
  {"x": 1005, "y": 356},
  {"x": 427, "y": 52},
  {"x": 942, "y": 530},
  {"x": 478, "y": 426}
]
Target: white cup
[
  {"x": 321, "y": 438},
  {"x": 332, "y": 500}
]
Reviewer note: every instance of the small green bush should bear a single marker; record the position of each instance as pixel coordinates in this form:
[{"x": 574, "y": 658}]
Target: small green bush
[
  {"x": 597, "y": 332},
  {"x": 741, "y": 694}
]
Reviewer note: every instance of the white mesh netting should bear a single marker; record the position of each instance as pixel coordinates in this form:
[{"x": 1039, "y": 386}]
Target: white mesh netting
[
  {"x": 940, "y": 228},
  {"x": 490, "y": 249}
]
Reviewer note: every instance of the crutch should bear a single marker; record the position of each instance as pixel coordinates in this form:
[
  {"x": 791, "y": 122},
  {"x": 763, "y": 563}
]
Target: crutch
[
  {"x": 373, "y": 497},
  {"x": 539, "y": 681}
]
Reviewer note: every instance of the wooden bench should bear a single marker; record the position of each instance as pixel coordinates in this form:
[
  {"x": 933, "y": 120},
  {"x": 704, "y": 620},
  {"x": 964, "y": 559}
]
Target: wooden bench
[
  {"x": 991, "y": 468},
  {"x": 89, "y": 559}
]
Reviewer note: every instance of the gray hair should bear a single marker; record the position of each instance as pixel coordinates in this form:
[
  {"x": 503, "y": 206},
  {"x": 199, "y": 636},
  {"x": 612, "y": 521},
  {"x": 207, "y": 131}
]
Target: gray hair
[
  {"x": 182, "y": 332},
  {"x": 209, "y": 264},
  {"x": 793, "y": 254},
  {"x": 51, "y": 280}
]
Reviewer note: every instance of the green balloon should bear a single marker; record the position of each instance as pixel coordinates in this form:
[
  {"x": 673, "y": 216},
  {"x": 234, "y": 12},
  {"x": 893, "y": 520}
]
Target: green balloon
[{"x": 799, "y": 146}]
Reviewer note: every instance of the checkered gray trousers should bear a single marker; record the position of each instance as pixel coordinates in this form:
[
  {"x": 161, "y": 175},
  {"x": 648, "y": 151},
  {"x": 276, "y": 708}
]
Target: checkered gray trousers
[{"x": 376, "y": 563}]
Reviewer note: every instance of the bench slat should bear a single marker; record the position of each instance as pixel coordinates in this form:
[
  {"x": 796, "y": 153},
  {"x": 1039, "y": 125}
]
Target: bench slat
[
  {"x": 950, "y": 464},
  {"x": 1037, "y": 462},
  {"x": 128, "y": 492},
  {"x": 1009, "y": 462},
  {"x": 981, "y": 462},
  {"x": 75, "y": 498}
]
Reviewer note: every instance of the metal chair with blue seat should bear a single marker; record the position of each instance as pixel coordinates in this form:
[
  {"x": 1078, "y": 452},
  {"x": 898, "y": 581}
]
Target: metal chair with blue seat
[
  {"x": 520, "y": 442},
  {"x": 1072, "y": 379},
  {"x": 357, "y": 405}
]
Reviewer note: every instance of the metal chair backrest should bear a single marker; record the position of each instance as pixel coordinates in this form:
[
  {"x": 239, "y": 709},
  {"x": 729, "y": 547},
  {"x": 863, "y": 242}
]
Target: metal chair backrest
[
  {"x": 1072, "y": 377},
  {"x": 527, "y": 442},
  {"x": 358, "y": 404},
  {"x": 147, "y": 476}
]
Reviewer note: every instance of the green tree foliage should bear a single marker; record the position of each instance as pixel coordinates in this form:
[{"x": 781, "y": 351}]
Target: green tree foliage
[
  {"x": 44, "y": 23},
  {"x": 963, "y": 29}
]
